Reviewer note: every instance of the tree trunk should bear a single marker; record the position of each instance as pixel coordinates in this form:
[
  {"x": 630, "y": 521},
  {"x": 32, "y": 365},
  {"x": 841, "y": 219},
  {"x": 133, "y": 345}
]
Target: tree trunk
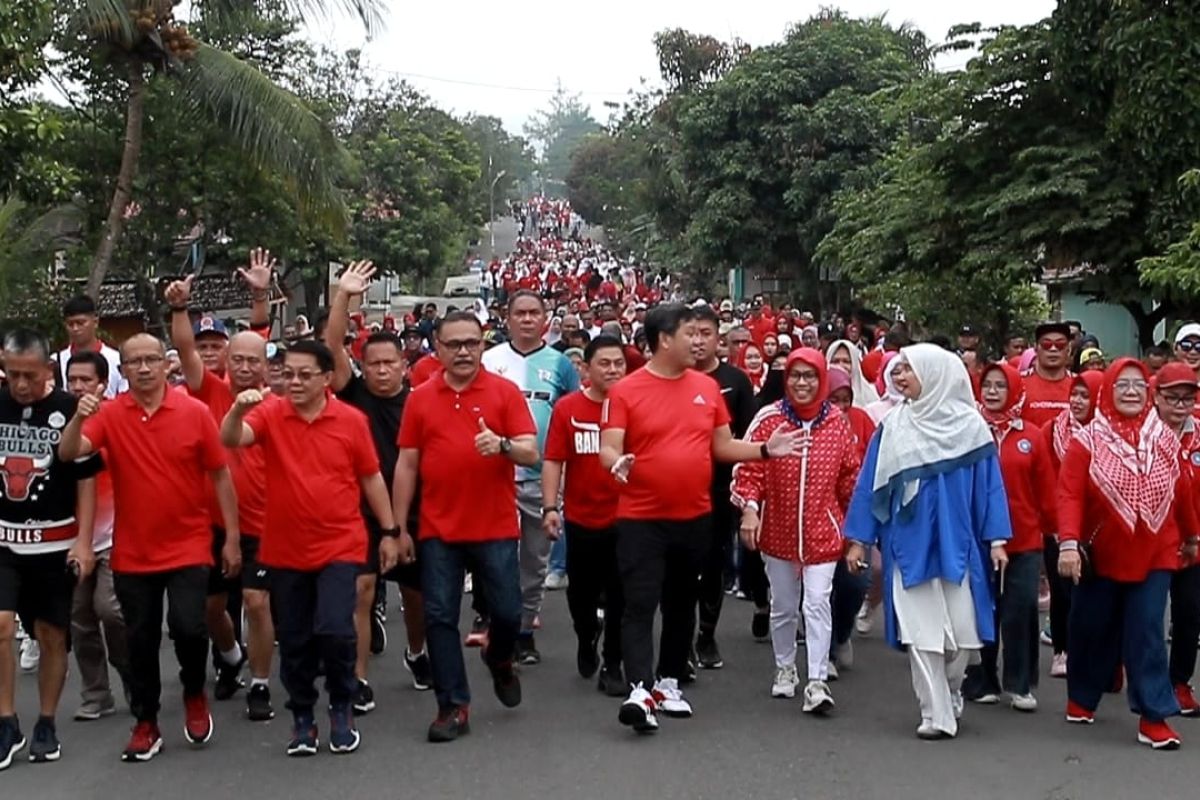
[
  {"x": 1147, "y": 322},
  {"x": 115, "y": 225}
]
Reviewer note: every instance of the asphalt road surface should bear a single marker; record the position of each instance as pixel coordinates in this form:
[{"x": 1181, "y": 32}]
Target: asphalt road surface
[{"x": 565, "y": 741}]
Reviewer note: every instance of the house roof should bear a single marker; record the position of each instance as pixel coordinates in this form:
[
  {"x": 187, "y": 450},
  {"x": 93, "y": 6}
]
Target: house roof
[{"x": 209, "y": 293}]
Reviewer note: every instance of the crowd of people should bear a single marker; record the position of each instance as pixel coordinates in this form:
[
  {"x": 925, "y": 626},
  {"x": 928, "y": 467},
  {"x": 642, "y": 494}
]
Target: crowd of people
[{"x": 582, "y": 428}]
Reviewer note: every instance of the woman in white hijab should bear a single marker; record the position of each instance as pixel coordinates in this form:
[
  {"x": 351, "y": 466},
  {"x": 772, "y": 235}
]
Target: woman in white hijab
[
  {"x": 845, "y": 355},
  {"x": 931, "y": 497}
]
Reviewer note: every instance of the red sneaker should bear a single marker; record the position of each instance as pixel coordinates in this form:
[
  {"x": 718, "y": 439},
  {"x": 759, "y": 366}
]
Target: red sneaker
[
  {"x": 1188, "y": 706},
  {"x": 1158, "y": 735},
  {"x": 1078, "y": 714},
  {"x": 144, "y": 744},
  {"x": 198, "y": 723}
]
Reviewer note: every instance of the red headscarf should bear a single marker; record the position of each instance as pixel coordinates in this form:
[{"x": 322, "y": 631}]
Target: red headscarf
[
  {"x": 816, "y": 360},
  {"x": 1135, "y": 460},
  {"x": 739, "y": 361},
  {"x": 1065, "y": 424},
  {"x": 1001, "y": 421}
]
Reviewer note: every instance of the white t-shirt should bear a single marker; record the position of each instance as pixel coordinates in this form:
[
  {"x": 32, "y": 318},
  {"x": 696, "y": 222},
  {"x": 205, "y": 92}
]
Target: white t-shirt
[{"x": 116, "y": 382}]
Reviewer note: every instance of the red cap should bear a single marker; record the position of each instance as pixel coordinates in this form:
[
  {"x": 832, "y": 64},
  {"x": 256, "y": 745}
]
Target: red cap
[{"x": 1176, "y": 373}]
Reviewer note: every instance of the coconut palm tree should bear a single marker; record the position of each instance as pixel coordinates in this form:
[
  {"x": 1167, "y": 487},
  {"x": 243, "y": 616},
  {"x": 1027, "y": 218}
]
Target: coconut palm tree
[{"x": 142, "y": 40}]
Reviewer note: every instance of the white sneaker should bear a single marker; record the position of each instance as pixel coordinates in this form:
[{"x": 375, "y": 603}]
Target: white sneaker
[
  {"x": 843, "y": 655},
  {"x": 956, "y": 703},
  {"x": 669, "y": 699},
  {"x": 817, "y": 698},
  {"x": 831, "y": 670},
  {"x": 31, "y": 654},
  {"x": 1024, "y": 702},
  {"x": 556, "y": 581},
  {"x": 639, "y": 711},
  {"x": 863, "y": 622},
  {"x": 1058, "y": 665},
  {"x": 786, "y": 681},
  {"x": 468, "y": 584}
]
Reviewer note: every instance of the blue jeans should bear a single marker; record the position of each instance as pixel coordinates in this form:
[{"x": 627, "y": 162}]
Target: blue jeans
[
  {"x": 314, "y": 622},
  {"x": 1115, "y": 623},
  {"x": 558, "y": 555},
  {"x": 496, "y": 575}
]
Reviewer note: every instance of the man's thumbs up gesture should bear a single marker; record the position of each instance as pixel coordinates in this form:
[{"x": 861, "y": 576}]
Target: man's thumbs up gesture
[{"x": 487, "y": 443}]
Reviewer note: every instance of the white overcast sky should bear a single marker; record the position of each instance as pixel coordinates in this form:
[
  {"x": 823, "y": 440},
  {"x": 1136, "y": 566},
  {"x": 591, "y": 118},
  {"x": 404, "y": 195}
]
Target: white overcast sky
[{"x": 504, "y": 57}]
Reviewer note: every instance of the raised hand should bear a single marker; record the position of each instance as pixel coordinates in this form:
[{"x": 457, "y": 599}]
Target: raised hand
[
  {"x": 357, "y": 277},
  {"x": 258, "y": 275},
  {"x": 249, "y": 398},
  {"x": 179, "y": 292},
  {"x": 487, "y": 443},
  {"x": 88, "y": 405}
]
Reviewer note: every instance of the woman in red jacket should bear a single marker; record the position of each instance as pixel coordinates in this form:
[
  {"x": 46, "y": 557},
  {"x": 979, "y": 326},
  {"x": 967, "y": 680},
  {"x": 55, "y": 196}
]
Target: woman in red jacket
[
  {"x": 802, "y": 501},
  {"x": 1028, "y": 477},
  {"x": 1117, "y": 497},
  {"x": 1059, "y": 431}
]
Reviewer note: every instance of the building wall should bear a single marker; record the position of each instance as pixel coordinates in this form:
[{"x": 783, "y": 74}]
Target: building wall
[{"x": 1111, "y": 324}]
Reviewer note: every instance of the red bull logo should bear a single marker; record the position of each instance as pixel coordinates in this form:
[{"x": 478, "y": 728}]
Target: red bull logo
[{"x": 19, "y": 472}]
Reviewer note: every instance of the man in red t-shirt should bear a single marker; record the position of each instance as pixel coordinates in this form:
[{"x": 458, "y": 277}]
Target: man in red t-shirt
[
  {"x": 590, "y": 507},
  {"x": 1048, "y": 383},
  {"x": 661, "y": 429},
  {"x": 319, "y": 459},
  {"x": 162, "y": 449},
  {"x": 464, "y": 429},
  {"x": 215, "y": 369}
]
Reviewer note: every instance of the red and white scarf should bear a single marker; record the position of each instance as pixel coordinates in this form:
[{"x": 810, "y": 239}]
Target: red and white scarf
[{"x": 1137, "y": 480}]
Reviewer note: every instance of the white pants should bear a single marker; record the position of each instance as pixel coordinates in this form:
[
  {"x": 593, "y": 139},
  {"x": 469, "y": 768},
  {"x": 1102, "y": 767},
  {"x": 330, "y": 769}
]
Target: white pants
[
  {"x": 937, "y": 679},
  {"x": 786, "y": 579}
]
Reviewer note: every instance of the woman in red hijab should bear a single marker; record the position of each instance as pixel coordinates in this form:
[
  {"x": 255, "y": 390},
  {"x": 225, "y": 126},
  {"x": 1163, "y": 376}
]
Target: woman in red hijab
[
  {"x": 802, "y": 500},
  {"x": 1028, "y": 483},
  {"x": 749, "y": 359},
  {"x": 841, "y": 394},
  {"x": 1059, "y": 431},
  {"x": 1117, "y": 498}
]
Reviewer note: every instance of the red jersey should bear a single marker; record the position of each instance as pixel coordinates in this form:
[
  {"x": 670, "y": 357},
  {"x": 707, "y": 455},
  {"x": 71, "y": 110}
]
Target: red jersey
[
  {"x": 313, "y": 494},
  {"x": 668, "y": 424},
  {"x": 1044, "y": 399},
  {"x": 246, "y": 464},
  {"x": 1027, "y": 466},
  {"x": 590, "y": 492},
  {"x": 426, "y": 367}
]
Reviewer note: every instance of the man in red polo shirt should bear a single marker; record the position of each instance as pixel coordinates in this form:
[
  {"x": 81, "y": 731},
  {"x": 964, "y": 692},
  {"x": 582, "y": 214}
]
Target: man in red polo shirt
[
  {"x": 464, "y": 429},
  {"x": 590, "y": 507},
  {"x": 216, "y": 368},
  {"x": 661, "y": 430},
  {"x": 319, "y": 461},
  {"x": 1048, "y": 382},
  {"x": 162, "y": 448}
]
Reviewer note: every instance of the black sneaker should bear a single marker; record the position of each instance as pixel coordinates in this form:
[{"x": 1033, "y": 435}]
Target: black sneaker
[
  {"x": 708, "y": 655},
  {"x": 363, "y": 699},
  {"x": 612, "y": 681},
  {"x": 450, "y": 725},
  {"x": 305, "y": 741},
  {"x": 45, "y": 746},
  {"x": 258, "y": 703},
  {"x": 587, "y": 657},
  {"x": 507, "y": 685},
  {"x": 229, "y": 677},
  {"x": 420, "y": 669},
  {"x": 689, "y": 669},
  {"x": 11, "y": 740},
  {"x": 760, "y": 625},
  {"x": 527, "y": 652},
  {"x": 378, "y": 631}
]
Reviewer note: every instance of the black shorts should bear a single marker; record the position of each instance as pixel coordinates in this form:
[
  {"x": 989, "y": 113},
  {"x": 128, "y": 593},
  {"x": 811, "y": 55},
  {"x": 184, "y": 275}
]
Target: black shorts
[
  {"x": 37, "y": 587},
  {"x": 407, "y": 576},
  {"x": 253, "y": 575}
]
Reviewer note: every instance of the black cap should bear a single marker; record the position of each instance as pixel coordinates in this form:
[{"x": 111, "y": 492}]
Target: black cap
[
  {"x": 968, "y": 330},
  {"x": 411, "y": 330},
  {"x": 829, "y": 330},
  {"x": 1052, "y": 327}
]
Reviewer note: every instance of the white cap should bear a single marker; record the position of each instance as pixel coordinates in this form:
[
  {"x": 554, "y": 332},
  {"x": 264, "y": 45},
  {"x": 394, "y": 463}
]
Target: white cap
[{"x": 1191, "y": 329}]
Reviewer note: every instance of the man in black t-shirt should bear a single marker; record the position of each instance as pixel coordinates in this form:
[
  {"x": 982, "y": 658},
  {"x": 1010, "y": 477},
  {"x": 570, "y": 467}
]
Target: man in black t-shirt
[
  {"x": 379, "y": 393},
  {"x": 46, "y": 514},
  {"x": 739, "y": 399}
]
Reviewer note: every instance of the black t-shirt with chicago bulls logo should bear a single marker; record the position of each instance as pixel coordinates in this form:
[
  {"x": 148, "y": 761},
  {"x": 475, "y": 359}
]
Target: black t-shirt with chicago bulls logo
[{"x": 37, "y": 491}]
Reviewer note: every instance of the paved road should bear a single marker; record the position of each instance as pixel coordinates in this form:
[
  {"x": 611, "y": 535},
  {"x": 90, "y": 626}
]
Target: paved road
[{"x": 564, "y": 741}]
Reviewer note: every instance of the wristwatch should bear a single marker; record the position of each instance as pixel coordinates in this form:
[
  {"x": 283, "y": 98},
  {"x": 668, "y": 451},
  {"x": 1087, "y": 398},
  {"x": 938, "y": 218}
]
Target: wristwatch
[
  {"x": 506, "y": 445},
  {"x": 549, "y": 510},
  {"x": 389, "y": 533}
]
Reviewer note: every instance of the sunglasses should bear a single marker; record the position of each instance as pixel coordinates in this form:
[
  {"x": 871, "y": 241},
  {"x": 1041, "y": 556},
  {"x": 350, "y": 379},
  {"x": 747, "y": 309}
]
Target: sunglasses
[
  {"x": 1053, "y": 344},
  {"x": 1188, "y": 345}
]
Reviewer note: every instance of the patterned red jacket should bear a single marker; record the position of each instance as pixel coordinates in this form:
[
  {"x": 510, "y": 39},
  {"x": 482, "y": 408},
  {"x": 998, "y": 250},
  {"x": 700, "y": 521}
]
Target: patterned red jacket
[{"x": 802, "y": 499}]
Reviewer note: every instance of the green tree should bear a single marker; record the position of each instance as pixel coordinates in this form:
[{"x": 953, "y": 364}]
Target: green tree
[
  {"x": 499, "y": 151},
  {"x": 558, "y": 130}
]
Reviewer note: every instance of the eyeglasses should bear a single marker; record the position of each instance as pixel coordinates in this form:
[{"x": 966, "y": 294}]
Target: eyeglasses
[
  {"x": 1188, "y": 345},
  {"x": 305, "y": 375},
  {"x": 1054, "y": 344},
  {"x": 143, "y": 361},
  {"x": 1131, "y": 385},
  {"x": 456, "y": 345},
  {"x": 1179, "y": 400},
  {"x": 804, "y": 377}
]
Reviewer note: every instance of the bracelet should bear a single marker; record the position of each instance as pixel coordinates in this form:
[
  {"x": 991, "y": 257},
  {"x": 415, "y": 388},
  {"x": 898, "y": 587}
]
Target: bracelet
[
  {"x": 179, "y": 309},
  {"x": 390, "y": 533},
  {"x": 764, "y": 452},
  {"x": 549, "y": 510}
]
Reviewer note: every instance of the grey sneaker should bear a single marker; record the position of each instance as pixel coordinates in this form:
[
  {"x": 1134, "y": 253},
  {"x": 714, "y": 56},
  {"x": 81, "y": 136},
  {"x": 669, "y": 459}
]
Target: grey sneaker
[{"x": 95, "y": 709}]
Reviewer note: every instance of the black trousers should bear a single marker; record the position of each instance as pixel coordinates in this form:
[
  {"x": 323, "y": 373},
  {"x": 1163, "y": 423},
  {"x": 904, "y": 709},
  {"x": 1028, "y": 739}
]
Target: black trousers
[
  {"x": 752, "y": 577},
  {"x": 1060, "y": 595},
  {"x": 314, "y": 621},
  {"x": 659, "y": 562},
  {"x": 594, "y": 582},
  {"x": 141, "y": 597},
  {"x": 716, "y": 561},
  {"x": 1185, "y": 623}
]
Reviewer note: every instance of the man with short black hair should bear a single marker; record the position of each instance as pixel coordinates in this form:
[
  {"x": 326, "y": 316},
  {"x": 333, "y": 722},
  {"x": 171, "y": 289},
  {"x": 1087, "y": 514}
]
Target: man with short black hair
[
  {"x": 1048, "y": 381},
  {"x": 673, "y": 422},
  {"x": 46, "y": 516},
  {"x": 81, "y": 322}
]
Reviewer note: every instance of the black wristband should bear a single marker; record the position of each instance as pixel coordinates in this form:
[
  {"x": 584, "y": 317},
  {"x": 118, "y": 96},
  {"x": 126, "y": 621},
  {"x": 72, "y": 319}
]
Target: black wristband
[
  {"x": 548, "y": 509},
  {"x": 389, "y": 533},
  {"x": 764, "y": 452},
  {"x": 179, "y": 309}
]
